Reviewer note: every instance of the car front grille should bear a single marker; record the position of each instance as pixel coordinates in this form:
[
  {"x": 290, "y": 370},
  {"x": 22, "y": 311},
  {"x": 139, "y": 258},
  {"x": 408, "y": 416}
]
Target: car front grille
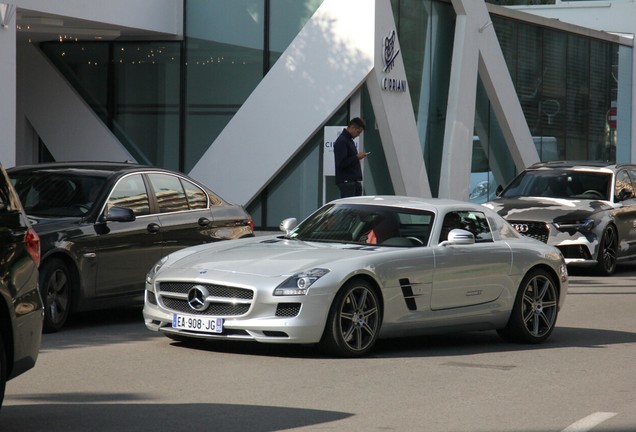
[
  {"x": 221, "y": 301},
  {"x": 536, "y": 230}
]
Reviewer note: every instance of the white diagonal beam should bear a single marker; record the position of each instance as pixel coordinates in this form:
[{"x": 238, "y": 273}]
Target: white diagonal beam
[
  {"x": 477, "y": 50},
  {"x": 324, "y": 65}
]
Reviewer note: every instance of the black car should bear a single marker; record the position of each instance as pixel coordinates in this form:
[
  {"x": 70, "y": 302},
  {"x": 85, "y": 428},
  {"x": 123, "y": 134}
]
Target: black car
[
  {"x": 585, "y": 209},
  {"x": 104, "y": 225},
  {"x": 20, "y": 303}
]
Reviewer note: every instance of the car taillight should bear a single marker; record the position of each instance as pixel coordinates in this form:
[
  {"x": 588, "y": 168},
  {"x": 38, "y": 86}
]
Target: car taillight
[
  {"x": 32, "y": 241},
  {"x": 251, "y": 222}
]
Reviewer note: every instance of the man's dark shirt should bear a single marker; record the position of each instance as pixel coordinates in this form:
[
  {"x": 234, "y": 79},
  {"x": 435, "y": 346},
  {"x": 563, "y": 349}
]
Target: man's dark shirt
[{"x": 346, "y": 158}]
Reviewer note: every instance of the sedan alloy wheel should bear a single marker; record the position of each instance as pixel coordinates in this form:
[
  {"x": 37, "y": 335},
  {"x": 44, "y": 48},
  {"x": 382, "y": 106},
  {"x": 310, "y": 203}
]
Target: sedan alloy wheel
[{"x": 56, "y": 293}]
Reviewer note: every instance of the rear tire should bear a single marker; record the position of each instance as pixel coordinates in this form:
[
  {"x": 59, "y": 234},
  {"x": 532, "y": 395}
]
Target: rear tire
[
  {"x": 56, "y": 288},
  {"x": 353, "y": 322},
  {"x": 534, "y": 313}
]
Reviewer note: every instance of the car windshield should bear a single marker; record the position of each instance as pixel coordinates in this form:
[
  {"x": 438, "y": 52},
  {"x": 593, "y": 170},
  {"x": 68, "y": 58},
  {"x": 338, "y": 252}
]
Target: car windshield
[
  {"x": 50, "y": 194},
  {"x": 366, "y": 224},
  {"x": 560, "y": 183}
]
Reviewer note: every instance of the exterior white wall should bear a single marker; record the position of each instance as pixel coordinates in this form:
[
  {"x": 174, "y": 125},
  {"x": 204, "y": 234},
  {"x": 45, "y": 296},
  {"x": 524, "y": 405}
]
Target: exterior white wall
[
  {"x": 161, "y": 16},
  {"x": 8, "y": 93}
]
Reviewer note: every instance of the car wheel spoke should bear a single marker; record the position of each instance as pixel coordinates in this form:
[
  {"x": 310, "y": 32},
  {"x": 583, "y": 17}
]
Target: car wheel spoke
[
  {"x": 359, "y": 318},
  {"x": 539, "y": 306}
]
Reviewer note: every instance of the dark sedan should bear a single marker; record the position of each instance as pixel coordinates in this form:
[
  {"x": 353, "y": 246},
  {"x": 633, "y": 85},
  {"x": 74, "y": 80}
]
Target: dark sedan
[{"x": 103, "y": 225}]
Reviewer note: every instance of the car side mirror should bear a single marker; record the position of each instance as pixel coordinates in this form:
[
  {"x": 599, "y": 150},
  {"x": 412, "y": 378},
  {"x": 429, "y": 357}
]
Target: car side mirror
[
  {"x": 119, "y": 214},
  {"x": 287, "y": 225},
  {"x": 459, "y": 237}
]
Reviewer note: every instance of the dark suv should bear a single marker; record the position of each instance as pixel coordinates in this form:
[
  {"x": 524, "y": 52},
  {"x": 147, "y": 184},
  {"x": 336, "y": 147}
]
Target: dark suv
[
  {"x": 21, "y": 310},
  {"x": 585, "y": 209}
]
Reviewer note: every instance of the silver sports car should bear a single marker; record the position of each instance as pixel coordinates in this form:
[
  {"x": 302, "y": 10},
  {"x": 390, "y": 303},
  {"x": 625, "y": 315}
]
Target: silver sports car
[{"x": 359, "y": 269}]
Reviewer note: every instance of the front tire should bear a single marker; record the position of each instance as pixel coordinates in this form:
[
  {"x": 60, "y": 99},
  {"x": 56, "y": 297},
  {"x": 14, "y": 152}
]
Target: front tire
[
  {"x": 535, "y": 310},
  {"x": 353, "y": 322},
  {"x": 607, "y": 252},
  {"x": 56, "y": 287}
]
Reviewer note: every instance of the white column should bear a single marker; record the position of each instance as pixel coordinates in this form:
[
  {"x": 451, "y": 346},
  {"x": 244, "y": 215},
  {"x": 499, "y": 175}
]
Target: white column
[
  {"x": 393, "y": 109},
  {"x": 7, "y": 85}
]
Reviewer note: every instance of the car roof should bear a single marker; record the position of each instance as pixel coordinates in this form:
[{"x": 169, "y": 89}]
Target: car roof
[
  {"x": 431, "y": 204},
  {"x": 580, "y": 164},
  {"x": 97, "y": 169}
]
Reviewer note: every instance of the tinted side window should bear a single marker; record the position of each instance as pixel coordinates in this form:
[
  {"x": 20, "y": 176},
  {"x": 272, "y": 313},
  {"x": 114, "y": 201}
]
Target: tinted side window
[
  {"x": 624, "y": 187},
  {"x": 475, "y": 222},
  {"x": 130, "y": 192},
  {"x": 197, "y": 198},
  {"x": 169, "y": 191}
]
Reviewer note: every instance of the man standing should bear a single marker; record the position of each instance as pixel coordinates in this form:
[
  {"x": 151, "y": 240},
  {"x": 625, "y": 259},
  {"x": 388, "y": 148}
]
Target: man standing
[{"x": 347, "y": 159}]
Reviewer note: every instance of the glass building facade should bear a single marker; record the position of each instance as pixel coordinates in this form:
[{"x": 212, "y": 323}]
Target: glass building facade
[{"x": 168, "y": 101}]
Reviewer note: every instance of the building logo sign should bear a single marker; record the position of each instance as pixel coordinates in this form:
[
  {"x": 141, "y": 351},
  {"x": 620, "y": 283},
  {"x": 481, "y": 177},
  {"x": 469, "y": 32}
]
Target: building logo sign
[{"x": 390, "y": 52}]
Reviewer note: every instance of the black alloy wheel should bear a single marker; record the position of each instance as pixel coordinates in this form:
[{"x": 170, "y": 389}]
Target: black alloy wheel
[
  {"x": 535, "y": 310},
  {"x": 354, "y": 320},
  {"x": 56, "y": 286},
  {"x": 607, "y": 252}
]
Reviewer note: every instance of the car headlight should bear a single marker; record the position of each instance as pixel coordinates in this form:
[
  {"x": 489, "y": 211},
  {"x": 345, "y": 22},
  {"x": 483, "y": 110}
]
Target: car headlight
[
  {"x": 300, "y": 282},
  {"x": 153, "y": 271},
  {"x": 584, "y": 225}
]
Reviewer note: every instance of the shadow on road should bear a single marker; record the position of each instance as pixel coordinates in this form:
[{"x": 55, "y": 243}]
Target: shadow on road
[{"x": 121, "y": 415}]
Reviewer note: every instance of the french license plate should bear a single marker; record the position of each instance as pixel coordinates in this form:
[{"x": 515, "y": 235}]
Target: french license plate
[{"x": 195, "y": 323}]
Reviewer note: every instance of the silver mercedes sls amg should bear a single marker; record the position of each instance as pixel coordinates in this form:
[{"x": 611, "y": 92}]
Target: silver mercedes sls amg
[{"x": 359, "y": 269}]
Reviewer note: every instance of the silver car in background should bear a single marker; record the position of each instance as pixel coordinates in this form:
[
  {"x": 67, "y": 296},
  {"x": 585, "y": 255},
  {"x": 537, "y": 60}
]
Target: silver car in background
[
  {"x": 359, "y": 269},
  {"x": 585, "y": 209}
]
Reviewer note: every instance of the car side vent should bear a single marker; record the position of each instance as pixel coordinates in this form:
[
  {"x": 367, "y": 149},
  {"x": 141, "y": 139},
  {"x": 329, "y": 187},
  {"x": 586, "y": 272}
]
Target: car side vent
[{"x": 407, "y": 292}]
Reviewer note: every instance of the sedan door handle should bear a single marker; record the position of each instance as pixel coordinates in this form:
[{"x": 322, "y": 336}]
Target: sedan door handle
[
  {"x": 204, "y": 221},
  {"x": 153, "y": 228}
]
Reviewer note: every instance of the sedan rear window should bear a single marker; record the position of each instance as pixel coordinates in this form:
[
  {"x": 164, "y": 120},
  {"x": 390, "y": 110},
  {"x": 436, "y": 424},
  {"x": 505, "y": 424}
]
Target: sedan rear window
[{"x": 57, "y": 194}]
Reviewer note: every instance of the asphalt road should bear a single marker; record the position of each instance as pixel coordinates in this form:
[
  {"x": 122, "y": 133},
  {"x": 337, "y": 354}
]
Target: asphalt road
[{"x": 106, "y": 372}]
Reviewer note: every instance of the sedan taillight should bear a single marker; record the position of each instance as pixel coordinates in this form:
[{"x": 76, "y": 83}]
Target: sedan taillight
[{"x": 32, "y": 241}]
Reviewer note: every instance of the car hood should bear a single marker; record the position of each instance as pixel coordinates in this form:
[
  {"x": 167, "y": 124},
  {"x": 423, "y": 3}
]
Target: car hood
[
  {"x": 270, "y": 257},
  {"x": 546, "y": 209}
]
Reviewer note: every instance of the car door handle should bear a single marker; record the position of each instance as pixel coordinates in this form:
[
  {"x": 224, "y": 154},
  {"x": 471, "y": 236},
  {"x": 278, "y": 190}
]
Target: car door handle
[
  {"x": 153, "y": 228},
  {"x": 204, "y": 222}
]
